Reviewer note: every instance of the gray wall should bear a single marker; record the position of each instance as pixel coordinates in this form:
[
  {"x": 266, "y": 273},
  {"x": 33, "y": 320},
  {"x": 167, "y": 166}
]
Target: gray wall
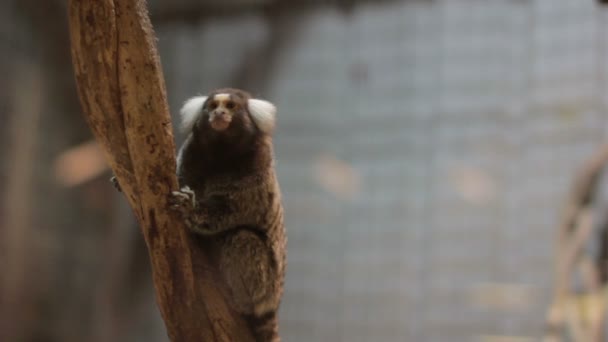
[{"x": 424, "y": 149}]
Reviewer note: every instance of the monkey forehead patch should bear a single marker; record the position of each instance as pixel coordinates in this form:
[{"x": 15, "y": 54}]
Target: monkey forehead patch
[{"x": 222, "y": 97}]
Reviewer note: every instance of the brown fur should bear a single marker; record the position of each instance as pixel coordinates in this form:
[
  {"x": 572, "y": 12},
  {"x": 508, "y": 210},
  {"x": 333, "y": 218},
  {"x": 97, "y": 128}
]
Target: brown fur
[{"x": 238, "y": 208}]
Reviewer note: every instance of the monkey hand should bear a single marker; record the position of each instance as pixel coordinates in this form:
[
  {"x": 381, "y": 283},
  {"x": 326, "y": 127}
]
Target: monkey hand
[
  {"x": 115, "y": 183},
  {"x": 184, "y": 202}
]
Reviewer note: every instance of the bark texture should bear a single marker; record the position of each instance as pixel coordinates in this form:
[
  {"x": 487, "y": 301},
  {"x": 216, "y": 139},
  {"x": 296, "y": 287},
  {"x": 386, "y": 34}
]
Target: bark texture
[{"x": 123, "y": 96}]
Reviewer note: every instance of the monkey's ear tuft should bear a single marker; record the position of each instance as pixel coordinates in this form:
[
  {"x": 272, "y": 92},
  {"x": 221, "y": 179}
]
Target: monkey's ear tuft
[
  {"x": 263, "y": 114},
  {"x": 191, "y": 111}
]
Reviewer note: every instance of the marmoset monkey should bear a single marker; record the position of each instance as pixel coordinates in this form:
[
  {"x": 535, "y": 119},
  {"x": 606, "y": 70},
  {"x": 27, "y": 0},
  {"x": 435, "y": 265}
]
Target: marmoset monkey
[{"x": 230, "y": 195}]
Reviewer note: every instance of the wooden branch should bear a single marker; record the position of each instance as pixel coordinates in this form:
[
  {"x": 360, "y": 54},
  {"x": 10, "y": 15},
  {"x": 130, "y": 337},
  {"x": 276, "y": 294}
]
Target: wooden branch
[
  {"x": 122, "y": 93},
  {"x": 574, "y": 230}
]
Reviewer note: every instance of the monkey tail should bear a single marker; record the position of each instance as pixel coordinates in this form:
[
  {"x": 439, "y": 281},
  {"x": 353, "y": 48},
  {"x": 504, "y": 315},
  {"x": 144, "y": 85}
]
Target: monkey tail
[{"x": 265, "y": 328}]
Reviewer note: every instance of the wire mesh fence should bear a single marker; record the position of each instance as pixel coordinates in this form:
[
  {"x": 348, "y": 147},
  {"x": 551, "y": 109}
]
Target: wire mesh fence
[{"x": 424, "y": 149}]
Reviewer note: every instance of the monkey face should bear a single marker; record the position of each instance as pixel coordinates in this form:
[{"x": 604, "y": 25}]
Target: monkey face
[
  {"x": 222, "y": 109},
  {"x": 228, "y": 112}
]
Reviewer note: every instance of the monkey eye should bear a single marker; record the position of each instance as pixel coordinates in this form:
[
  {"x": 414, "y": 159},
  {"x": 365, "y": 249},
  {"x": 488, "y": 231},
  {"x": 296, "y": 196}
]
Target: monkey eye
[
  {"x": 213, "y": 105},
  {"x": 230, "y": 105}
]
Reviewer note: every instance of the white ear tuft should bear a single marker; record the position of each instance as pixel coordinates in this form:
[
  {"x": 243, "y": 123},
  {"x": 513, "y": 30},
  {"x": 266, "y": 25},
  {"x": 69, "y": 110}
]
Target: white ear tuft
[
  {"x": 263, "y": 114},
  {"x": 190, "y": 112}
]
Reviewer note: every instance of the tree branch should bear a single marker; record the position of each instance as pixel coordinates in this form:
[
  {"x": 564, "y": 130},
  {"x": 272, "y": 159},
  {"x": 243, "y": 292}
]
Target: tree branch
[
  {"x": 122, "y": 92},
  {"x": 575, "y": 228}
]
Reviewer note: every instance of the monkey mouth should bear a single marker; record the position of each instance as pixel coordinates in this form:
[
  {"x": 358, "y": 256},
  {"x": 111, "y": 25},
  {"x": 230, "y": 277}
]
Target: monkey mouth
[{"x": 220, "y": 123}]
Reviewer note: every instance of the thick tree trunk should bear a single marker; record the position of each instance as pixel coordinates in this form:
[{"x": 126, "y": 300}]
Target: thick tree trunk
[{"x": 122, "y": 92}]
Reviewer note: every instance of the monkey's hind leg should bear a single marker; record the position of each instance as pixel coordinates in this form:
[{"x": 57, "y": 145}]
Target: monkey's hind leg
[{"x": 249, "y": 272}]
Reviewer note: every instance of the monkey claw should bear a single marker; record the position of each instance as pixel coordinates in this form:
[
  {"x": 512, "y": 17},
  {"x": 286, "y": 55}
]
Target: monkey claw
[{"x": 184, "y": 198}]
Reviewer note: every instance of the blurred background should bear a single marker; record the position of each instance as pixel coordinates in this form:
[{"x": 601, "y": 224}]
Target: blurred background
[{"x": 425, "y": 150}]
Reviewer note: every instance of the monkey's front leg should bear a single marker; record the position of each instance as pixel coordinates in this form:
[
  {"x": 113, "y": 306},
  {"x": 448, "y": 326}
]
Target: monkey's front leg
[
  {"x": 184, "y": 202},
  {"x": 207, "y": 216}
]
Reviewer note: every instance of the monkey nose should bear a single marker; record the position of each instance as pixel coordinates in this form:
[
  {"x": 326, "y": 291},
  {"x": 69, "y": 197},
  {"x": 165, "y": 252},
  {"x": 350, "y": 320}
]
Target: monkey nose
[
  {"x": 218, "y": 115},
  {"x": 220, "y": 120}
]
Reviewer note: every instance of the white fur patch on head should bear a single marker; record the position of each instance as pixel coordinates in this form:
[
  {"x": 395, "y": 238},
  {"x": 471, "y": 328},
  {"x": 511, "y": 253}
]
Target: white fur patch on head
[
  {"x": 191, "y": 111},
  {"x": 222, "y": 97},
  {"x": 263, "y": 114}
]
